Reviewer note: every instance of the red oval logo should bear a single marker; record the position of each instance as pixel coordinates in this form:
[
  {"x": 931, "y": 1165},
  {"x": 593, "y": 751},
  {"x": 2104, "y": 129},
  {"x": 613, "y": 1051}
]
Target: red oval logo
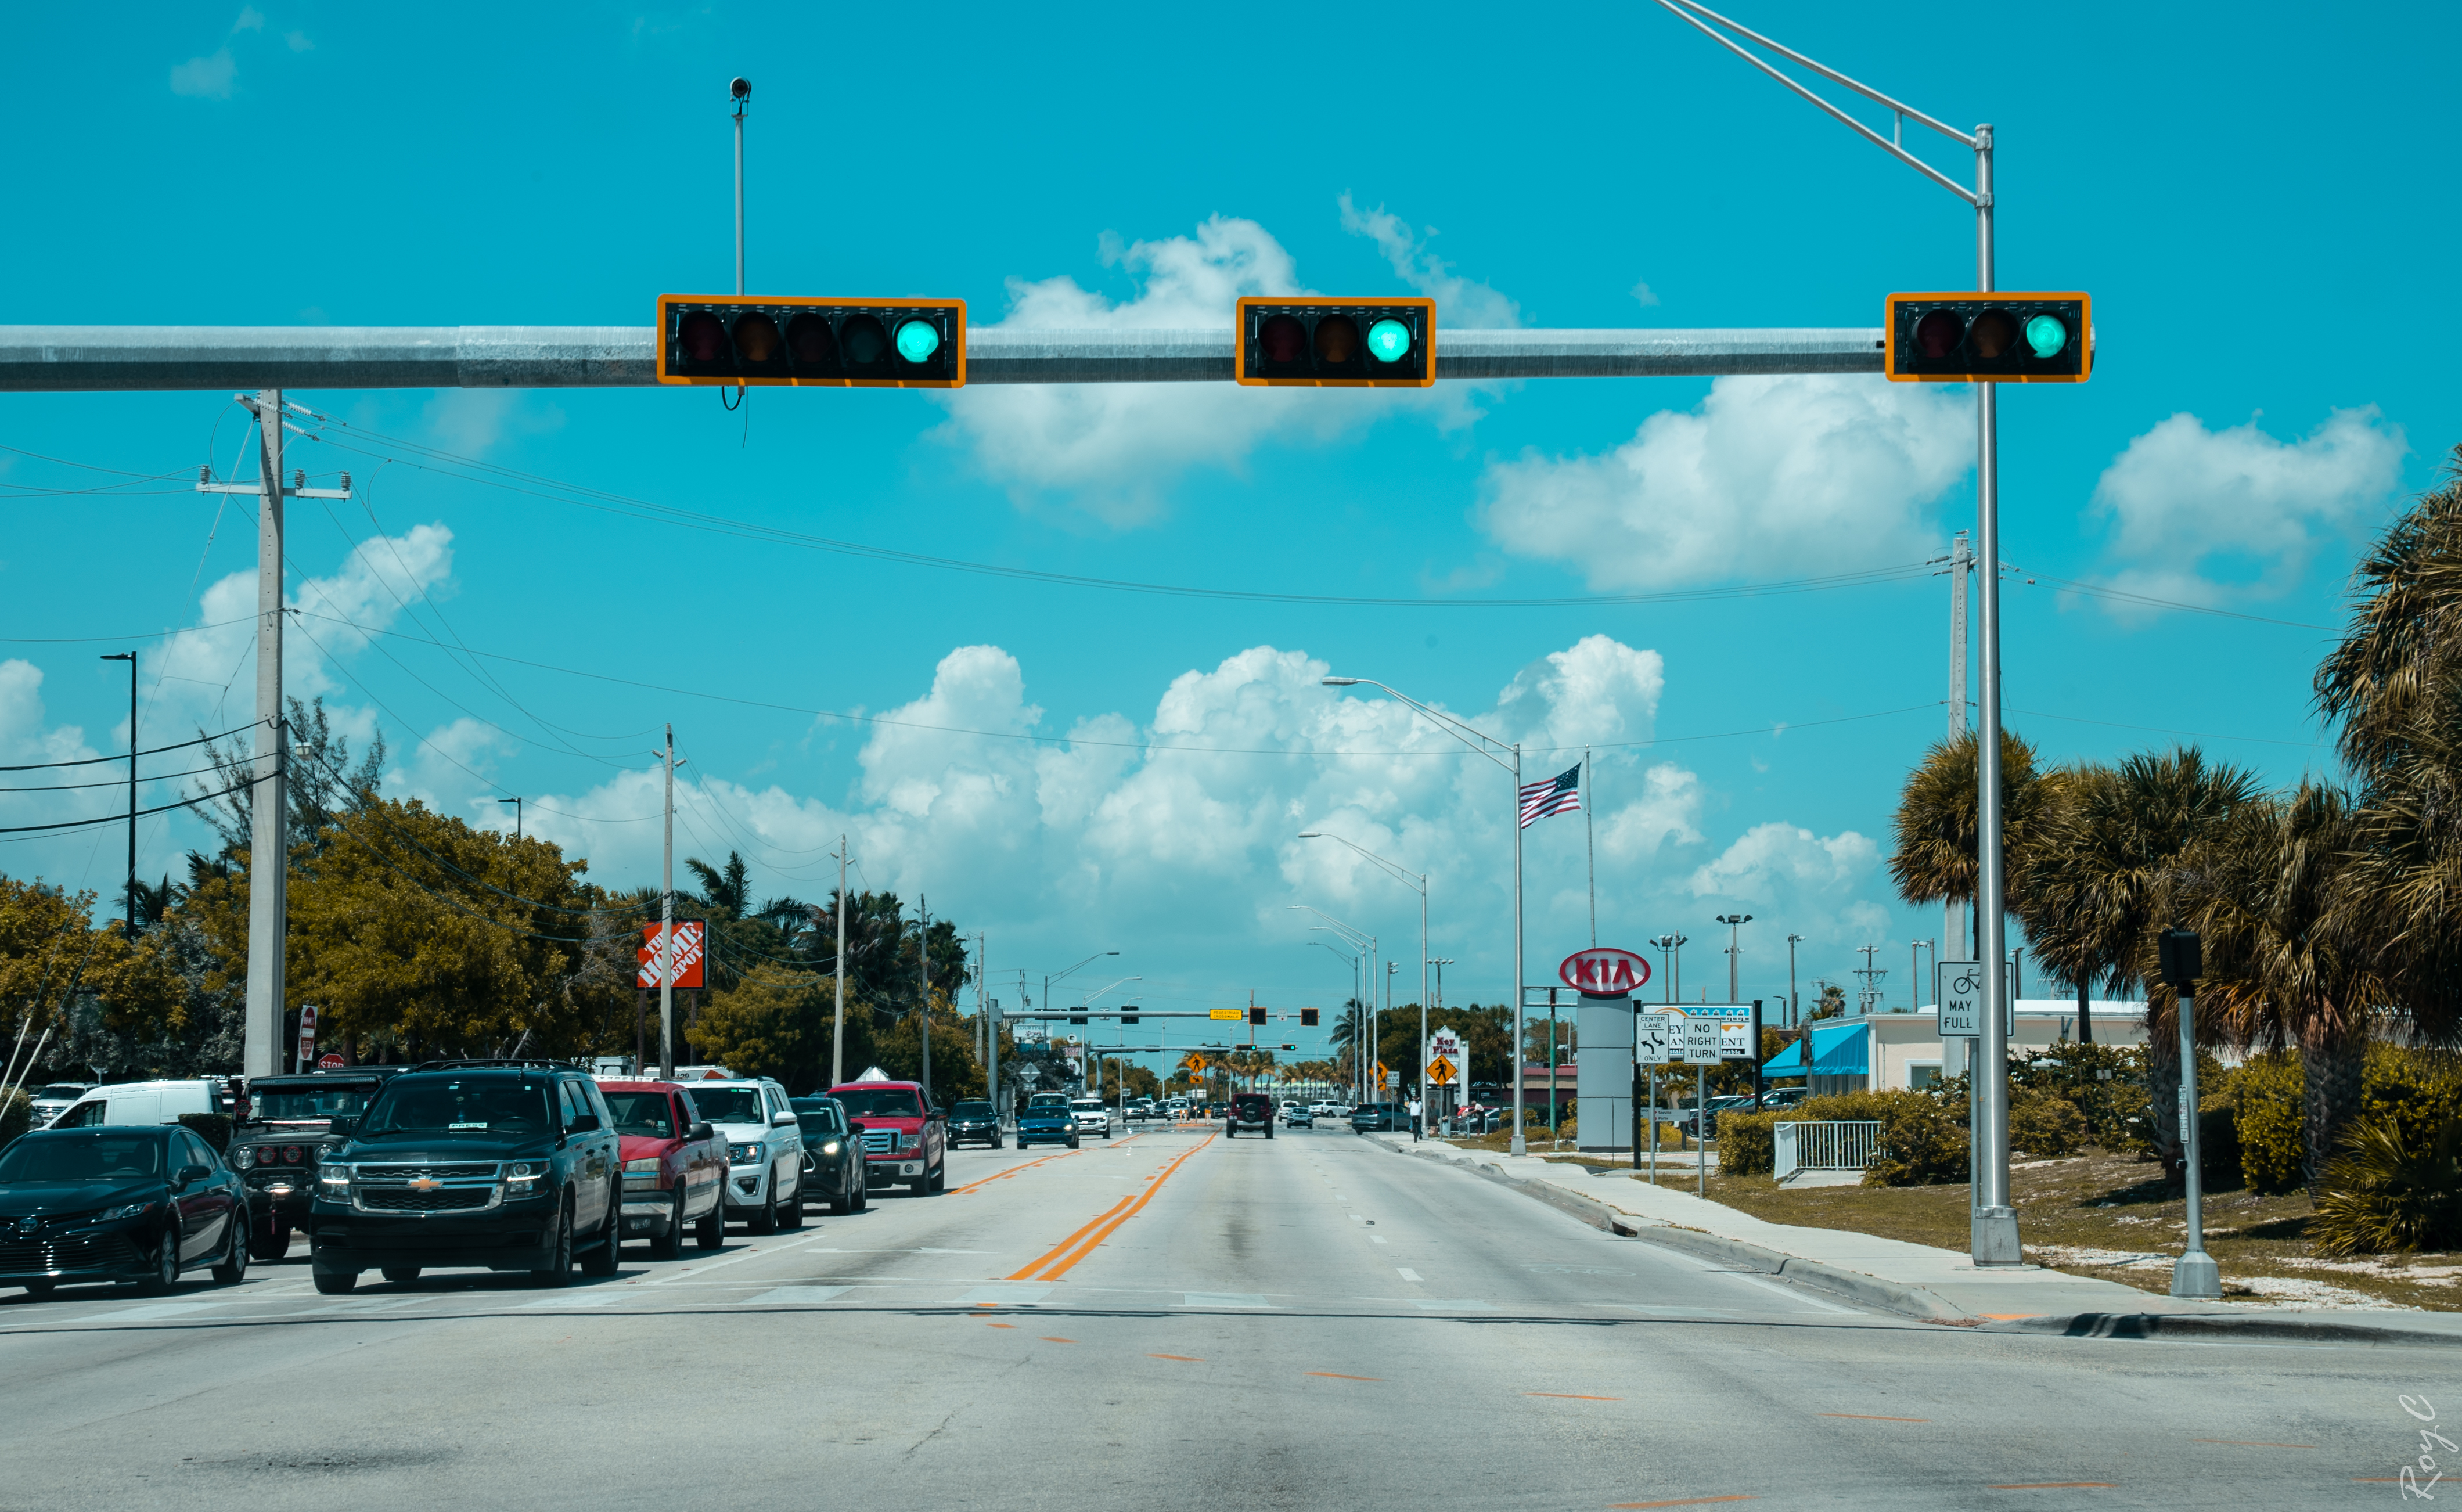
[{"x": 1603, "y": 971}]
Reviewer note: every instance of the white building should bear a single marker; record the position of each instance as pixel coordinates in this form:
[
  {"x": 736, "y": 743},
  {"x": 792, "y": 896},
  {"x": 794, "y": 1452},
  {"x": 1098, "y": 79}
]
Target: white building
[{"x": 1895, "y": 1052}]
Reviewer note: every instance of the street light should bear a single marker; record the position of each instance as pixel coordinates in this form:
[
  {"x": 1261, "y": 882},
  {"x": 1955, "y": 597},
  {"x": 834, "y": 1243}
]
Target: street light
[
  {"x": 1671, "y": 955},
  {"x": 1735, "y": 923},
  {"x": 1498, "y": 752},
  {"x": 1794, "y": 1004},
  {"x": 1366, "y": 944},
  {"x": 1419, "y": 881},
  {"x": 1087, "y": 1000},
  {"x": 1049, "y": 977}
]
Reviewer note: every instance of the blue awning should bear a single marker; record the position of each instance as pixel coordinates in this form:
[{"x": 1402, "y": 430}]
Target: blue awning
[{"x": 1837, "y": 1051}]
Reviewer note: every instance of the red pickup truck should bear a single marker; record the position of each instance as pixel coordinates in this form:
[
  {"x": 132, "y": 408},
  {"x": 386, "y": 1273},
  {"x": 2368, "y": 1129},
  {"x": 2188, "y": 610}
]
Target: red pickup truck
[
  {"x": 674, "y": 1166},
  {"x": 905, "y": 1138}
]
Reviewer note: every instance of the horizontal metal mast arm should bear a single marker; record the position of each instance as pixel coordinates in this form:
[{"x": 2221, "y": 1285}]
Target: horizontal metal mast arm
[{"x": 66, "y": 358}]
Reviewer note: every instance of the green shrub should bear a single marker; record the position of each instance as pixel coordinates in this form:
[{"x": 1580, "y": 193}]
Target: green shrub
[
  {"x": 2385, "y": 1194},
  {"x": 2045, "y": 1125},
  {"x": 1922, "y": 1143},
  {"x": 2417, "y": 1091},
  {"x": 1744, "y": 1141},
  {"x": 2267, "y": 1121},
  {"x": 214, "y": 1129}
]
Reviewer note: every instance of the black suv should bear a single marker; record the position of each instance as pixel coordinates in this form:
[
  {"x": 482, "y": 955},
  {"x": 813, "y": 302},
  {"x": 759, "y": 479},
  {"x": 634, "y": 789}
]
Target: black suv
[
  {"x": 974, "y": 1120},
  {"x": 291, "y": 1124},
  {"x": 505, "y": 1165}
]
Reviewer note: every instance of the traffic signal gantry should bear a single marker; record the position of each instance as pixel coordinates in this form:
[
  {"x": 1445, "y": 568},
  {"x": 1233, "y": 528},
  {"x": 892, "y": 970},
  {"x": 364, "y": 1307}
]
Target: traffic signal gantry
[
  {"x": 1317, "y": 342},
  {"x": 812, "y": 343},
  {"x": 1971, "y": 338}
]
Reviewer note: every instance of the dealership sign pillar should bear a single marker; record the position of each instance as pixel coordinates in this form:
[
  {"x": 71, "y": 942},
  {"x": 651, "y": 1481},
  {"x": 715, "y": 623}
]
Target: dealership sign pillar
[{"x": 1603, "y": 1043}]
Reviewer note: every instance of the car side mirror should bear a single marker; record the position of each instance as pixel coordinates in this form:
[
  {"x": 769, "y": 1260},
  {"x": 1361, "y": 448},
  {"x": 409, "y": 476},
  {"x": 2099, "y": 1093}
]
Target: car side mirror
[
  {"x": 345, "y": 1127},
  {"x": 781, "y": 1120},
  {"x": 190, "y": 1174},
  {"x": 703, "y": 1131},
  {"x": 853, "y": 1128},
  {"x": 587, "y": 1123}
]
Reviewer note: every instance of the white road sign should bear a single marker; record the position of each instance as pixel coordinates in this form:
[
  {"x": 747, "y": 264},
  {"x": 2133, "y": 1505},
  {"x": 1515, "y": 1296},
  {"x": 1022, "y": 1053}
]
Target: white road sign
[
  {"x": 1701, "y": 1036},
  {"x": 1960, "y": 992},
  {"x": 1657, "y": 1039}
]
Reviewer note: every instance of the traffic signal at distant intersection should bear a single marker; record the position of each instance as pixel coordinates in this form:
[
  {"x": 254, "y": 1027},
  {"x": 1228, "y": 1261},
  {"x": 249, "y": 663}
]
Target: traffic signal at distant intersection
[
  {"x": 812, "y": 343},
  {"x": 1995, "y": 337},
  {"x": 1336, "y": 343}
]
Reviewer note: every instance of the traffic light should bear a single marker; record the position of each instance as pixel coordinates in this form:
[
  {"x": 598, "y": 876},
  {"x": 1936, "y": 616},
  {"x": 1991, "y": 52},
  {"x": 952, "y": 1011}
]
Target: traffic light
[
  {"x": 1077, "y": 1015},
  {"x": 812, "y": 343},
  {"x": 1128, "y": 1013},
  {"x": 1989, "y": 338},
  {"x": 1336, "y": 343},
  {"x": 1307, "y": 1018},
  {"x": 1290, "y": 1046},
  {"x": 1256, "y": 1015}
]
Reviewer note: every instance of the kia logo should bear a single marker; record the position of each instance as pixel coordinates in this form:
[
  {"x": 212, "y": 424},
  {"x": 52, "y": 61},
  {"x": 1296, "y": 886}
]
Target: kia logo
[{"x": 1603, "y": 971}]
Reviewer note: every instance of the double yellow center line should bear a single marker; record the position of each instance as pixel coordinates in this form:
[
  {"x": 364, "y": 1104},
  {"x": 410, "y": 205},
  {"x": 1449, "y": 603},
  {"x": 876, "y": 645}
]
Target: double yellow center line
[{"x": 1056, "y": 1263}]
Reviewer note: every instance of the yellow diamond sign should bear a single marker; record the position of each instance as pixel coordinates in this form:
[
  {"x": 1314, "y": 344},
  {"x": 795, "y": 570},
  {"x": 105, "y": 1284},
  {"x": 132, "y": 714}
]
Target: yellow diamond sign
[{"x": 1441, "y": 1072}]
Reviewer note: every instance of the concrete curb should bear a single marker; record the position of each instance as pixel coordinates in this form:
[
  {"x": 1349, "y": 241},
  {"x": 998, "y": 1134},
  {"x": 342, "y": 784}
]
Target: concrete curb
[
  {"x": 2207, "y": 1326},
  {"x": 1870, "y": 1291}
]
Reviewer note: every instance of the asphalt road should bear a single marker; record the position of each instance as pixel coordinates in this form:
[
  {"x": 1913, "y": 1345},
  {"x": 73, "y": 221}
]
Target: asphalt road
[{"x": 1164, "y": 1321}]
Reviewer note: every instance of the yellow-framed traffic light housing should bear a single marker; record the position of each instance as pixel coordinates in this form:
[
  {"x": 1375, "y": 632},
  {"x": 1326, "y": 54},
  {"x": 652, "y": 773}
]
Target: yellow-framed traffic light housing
[
  {"x": 812, "y": 343},
  {"x": 1971, "y": 338},
  {"x": 1318, "y": 342}
]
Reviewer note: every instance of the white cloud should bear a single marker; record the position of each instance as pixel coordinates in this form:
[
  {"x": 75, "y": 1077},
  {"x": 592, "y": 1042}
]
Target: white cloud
[
  {"x": 2199, "y": 514},
  {"x": 1645, "y": 294},
  {"x": 298, "y": 42},
  {"x": 250, "y": 19},
  {"x": 206, "y": 77},
  {"x": 1766, "y": 477},
  {"x": 472, "y": 420},
  {"x": 1462, "y": 304}
]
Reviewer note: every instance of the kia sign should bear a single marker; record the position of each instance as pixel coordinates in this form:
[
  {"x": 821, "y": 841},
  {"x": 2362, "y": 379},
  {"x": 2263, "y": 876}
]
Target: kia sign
[{"x": 1603, "y": 971}]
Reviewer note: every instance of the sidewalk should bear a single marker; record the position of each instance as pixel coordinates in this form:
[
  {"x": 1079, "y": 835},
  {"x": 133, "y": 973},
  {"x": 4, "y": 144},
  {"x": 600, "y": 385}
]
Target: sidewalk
[{"x": 1916, "y": 1279}]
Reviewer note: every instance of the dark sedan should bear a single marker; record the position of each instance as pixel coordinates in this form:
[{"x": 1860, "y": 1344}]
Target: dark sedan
[
  {"x": 833, "y": 1164},
  {"x": 1047, "y": 1123},
  {"x": 974, "y": 1121},
  {"x": 119, "y": 1204}
]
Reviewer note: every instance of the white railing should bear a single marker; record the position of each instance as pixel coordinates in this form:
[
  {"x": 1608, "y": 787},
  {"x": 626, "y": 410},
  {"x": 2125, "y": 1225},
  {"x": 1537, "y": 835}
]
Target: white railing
[{"x": 1843, "y": 1146}]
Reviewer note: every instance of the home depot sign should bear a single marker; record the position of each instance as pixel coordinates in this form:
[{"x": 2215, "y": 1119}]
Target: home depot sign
[
  {"x": 1603, "y": 971},
  {"x": 690, "y": 955}
]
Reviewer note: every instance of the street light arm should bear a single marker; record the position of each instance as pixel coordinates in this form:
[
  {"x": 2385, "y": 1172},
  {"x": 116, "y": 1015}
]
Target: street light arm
[
  {"x": 1357, "y": 936},
  {"x": 1478, "y": 740},
  {"x": 1088, "y": 961},
  {"x": 1400, "y": 873},
  {"x": 1692, "y": 13}
]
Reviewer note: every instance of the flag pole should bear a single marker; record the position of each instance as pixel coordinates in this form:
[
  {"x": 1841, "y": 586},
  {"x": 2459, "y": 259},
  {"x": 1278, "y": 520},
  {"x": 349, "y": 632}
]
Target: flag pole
[{"x": 1589, "y": 843}]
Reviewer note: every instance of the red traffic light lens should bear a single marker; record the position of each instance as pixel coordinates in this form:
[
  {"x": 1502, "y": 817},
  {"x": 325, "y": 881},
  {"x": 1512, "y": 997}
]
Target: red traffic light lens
[
  {"x": 756, "y": 338},
  {"x": 1337, "y": 338},
  {"x": 1281, "y": 339},
  {"x": 1994, "y": 333},
  {"x": 865, "y": 338},
  {"x": 703, "y": 336},
  {"x": 1937, "y": 334},
  {"x": 808, "y": 339}
]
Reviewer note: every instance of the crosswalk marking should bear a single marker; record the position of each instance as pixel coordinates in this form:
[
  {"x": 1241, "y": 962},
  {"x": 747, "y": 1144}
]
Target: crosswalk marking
[
  {"x": 796, "y": 1294},
  {"x": 1223, "y": 1299}
]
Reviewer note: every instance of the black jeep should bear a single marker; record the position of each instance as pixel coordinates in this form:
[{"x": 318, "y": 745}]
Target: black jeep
[{"x": 291, "y": 1124}]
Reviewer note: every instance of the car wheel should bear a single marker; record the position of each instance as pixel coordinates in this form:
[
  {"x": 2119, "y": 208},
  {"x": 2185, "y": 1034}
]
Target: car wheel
[
  {"x": 938, "y": 1180},
  {"x": 790, "y": 1213},
  {"x": 710, "y": 1231},
  {"x": 400, "y": 1275},
  {"x": 862, "y": 1186},
  {"x": 166, "y": 1265},
  {"x": 670, "y": 1244},
  {"x": 996, "y": 1141},
  {"x": 335, "y": 1283},
  {"x": 764, "y": 1217},
  {"x": 558, "y": 1269},
  {"x": 232, "y": 1269},
  {"x": 1072, "y": 1141}
]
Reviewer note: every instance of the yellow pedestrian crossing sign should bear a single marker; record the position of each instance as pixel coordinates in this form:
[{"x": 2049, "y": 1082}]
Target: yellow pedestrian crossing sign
[{"x": 1441, "y": 1072}]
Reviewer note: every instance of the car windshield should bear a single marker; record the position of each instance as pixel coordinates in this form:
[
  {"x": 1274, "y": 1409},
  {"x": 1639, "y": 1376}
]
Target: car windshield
[
  {"x": 1046, "y": 1111},
  {"x": 1088, "y": 1105},
  {"x": 453, "y": 1105},
  {"x": 112, "y": 1158},
  {"x": 971, "y": 1110},
  {"x": 816, "y": 1114},
  {"x": 68, "y": 1091},
  {"x": 730, "y": 1105},
  {"x": 879, "y": 1102},
  {"x": 347, "y": 1101},
  {"x": 646, "y": 1115}
]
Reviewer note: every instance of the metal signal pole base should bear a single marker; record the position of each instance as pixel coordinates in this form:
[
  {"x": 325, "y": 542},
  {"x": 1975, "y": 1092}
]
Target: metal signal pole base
[
  {"x": 2195, "y": 1276},
  {"x": 1994, "y": 1233}
]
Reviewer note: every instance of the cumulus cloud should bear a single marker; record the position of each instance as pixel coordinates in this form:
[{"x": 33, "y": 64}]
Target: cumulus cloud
[
  {"x": 2196, "y": 514},
  {"x": 214, "y": 75},
  {"x": 1826, "y": 888},
  {"x": 1462, "y": 303},
  {"x": 473, "y": 422},
  {"x": 1766, "y": 476}
]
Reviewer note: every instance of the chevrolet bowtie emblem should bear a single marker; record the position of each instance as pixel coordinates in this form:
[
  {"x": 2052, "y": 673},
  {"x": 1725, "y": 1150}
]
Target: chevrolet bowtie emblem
[{"x": 424, "y": 1183}]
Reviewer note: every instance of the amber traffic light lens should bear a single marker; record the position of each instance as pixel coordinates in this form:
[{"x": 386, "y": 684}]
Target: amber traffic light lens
[
  {"x": 808, "y": 339},
  {"x": 756, "y": 338},
  {"x": 1283, "y": 339},
  {"x": 703, "y": 336},
  {"x": 1937, "y": 334},
  {"x": 1337, "y": 338},
  {"x": 1994, "y": 333},
  {"x": 865, "y": 338}
]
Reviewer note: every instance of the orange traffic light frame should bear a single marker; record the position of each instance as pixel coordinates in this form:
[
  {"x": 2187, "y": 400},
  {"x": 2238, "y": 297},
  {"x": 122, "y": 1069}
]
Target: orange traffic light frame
[
  {"x": 1968, "y": 302},
  {"x": 1311, "y": 309},
  {"x": 673, "y": 306}
]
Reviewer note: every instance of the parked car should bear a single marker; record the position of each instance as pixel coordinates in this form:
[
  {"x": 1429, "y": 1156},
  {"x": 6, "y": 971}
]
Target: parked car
[
  {"x": 53, "y": 1099},
  {"x": 1779, "y": 1099},
  {"x": 905, "y": 1138},
  {"x": 1093, "y": 1116},
  {"x": 291, "y": 1124},
  {"x": 1693, "y": 1120},
  {"x": 141, "y": 1103},
  {"x": 833, "y": 1163},
  {"x": 1298, "y": 1116},
  {"x": 1249, "y": 1111},
  {"x": 975, "y": 1122},
  {"x": 1370, "y": 1117},
  {"x": 123, "y": 1204},
  {"x": 675, "y": 1165},
  {"x": 1047, "y": 1123},
  {"x": 765, "y": 1150},
  {"x": 497, "y": 1165}
]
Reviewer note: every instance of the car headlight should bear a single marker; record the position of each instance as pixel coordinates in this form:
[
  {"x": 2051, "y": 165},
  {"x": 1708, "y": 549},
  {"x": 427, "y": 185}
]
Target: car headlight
[
  {"x": 334, "y": 1180},
  {"x": 244, "y": 1157},
  {"x": 746, "y": 1154},
  {"x": 830, "y": 1148},
  {"x": 124, "y": 1210},
  {"x": 910, "y": 1142},
  {"x": 645, "y": 1163},
  {"x": 525, "y": 1178}
]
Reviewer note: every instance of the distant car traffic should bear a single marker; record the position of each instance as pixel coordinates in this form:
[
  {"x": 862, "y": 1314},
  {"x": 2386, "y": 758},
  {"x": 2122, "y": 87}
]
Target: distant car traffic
[
  {"x": 1298, "y": 1116},
  {"x": 833, "y": 1163},
  {"x": 1249, "y": 1111},
  {"x": 1047, "y": 1123},
  {"x": 53, "y": 1099},
  {"x": 974, "y": 1122},
  {"x": 1093, "y": 1116},
  {"x": 117, "y": 1205}
]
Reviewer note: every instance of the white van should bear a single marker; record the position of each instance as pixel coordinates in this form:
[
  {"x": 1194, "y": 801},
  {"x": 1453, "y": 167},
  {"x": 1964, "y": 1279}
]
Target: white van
[{"x": 141, "y": 1103}]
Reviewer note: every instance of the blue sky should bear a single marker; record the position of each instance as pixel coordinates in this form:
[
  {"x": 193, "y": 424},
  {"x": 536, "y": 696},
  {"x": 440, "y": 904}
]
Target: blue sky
[{"x": 2253, "y": 195}]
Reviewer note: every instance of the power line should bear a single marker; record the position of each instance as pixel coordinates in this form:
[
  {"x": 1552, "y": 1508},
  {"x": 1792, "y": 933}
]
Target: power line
[
  {"x": 121, "y": 818},
  {"x": 90, "y": 761}
]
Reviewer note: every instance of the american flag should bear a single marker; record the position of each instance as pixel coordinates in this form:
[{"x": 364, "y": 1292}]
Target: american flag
[{"x": 1561, "y": 793}]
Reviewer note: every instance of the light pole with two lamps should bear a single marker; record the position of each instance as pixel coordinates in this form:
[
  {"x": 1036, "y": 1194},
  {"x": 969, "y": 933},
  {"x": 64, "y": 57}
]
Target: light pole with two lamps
[{"x": 1419, "y": 882}]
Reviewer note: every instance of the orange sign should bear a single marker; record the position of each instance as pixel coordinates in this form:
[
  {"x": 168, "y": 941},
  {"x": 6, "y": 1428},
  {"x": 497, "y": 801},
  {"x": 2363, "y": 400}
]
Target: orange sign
[{"x": 690, "y": 955}]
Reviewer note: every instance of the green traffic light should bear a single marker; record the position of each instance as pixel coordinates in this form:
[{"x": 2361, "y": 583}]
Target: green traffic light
[
  {"x": 1389, "y": 340},
  {"x": 918, "y": 340},
  {"x": 2047, "y": 336}
]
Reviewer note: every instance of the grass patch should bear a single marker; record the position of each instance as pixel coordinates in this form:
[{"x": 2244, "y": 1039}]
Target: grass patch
[{"x": 2106, "y": 1215}]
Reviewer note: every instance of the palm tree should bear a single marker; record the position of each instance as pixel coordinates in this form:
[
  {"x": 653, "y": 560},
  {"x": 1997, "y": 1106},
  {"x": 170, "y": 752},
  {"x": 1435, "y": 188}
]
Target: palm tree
[
  {"x": 1938, "y": 823},
  {"x": 2067, "y": 919},
  {"x": 728, "y": 889}
]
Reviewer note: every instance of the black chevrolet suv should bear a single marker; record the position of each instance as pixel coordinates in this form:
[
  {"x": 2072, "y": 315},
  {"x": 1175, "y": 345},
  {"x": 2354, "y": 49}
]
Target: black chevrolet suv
[{"x": 504, "y": 1165}]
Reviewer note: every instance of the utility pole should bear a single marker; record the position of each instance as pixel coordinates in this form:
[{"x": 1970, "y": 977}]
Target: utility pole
[
  {"x": 923, "y": 952},
  {"x": 1961, "y": 564},
  {"x": 667, "y": 917},
  {"x": 1914, "y": 974},
  {"x": 837, "y": 1022},
  {"x": 1735, "y": 923},
  {"x": 742, "y": 90},
  {"x": 130, "y": 656},
  {"x": 1868, "y": 999},
  {"x": 269, "y": 868},
  {"x": 517, "y": 816},
  {"x": 1793, "y": 1002}
]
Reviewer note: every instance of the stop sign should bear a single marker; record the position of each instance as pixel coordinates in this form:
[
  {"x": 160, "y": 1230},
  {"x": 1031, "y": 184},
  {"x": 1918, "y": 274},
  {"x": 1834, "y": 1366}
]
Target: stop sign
[{"x": 331, "y": 1062}]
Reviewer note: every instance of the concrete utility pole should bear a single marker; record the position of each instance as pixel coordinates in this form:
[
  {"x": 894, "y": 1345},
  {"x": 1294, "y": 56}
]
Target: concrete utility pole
[
  {"x": 923, "y": 952},
  {"x": 269, "y": 868},
  {"x": 667, "y": 917},
  {"x": 1793, "y": 1002},
  {"x": 1868, "y": 999},
  {"x": 130, "y": 656},
  {"x": 1961, "y": 564},
  {"x": 838, "y": 1021}
]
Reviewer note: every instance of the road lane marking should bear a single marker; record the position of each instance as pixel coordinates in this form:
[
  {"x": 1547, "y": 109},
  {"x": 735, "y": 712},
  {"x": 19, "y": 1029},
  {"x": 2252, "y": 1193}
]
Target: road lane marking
[
  {"x": 1873, "y": 1418},
  {"x": 1003, "y": 1175},
  {"x": 1055, "y": 1269},
  {"x": 1337, "y": 1375},
  {"x": 1061, "y": 1249},
  {"x": 1190, "y": 1359},
  {"x": 1002, "y": 1294},
  {"x": 1223, "y": 1299},
  {"x": 1468, "y": 1304},
  {"x": 1376, "y": 1239},
  {"x": 595, "y": 1299},
  {"x": 1003, "y": 1325},
  {"x": 1573, "y": 1396},
  {"x": 1682, "y": 1501},
  {"x": 2250, "y": 1444},
  {"x": 1049, "y": 1339},
  {"x": 2008, "y": 1317},
  {"x": 794, "y": 1294},
  {"x": 1407, "y": 1273},
  {"x": 148, "y": 1311},
  {"x": 2058, "y": 1485}
]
